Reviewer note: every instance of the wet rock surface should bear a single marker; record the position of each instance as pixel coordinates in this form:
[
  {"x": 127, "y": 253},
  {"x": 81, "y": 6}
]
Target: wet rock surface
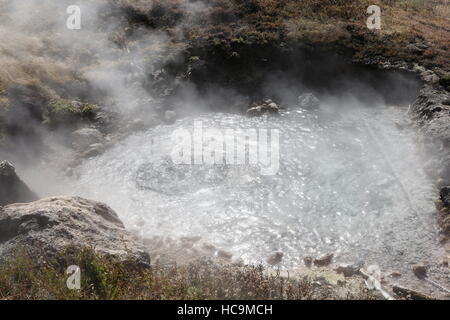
[
  {"x": 308, "y": 101},
  {"x": 267, "y": 107},
  {"x": 12, "y": 188},
  {"x": 48, "y": 226},
  {"x": 431, "y": 112}
]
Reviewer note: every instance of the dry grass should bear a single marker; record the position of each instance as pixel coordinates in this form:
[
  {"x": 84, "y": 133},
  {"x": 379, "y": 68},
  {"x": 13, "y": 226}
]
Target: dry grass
[
  {"x": 338, "y": 23},
  {"x": 37, "y": 60},
  {"x": 105, "y": 278}
]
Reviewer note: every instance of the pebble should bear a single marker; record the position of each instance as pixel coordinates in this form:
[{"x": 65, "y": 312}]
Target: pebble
[{"x": 324, "y": 260}]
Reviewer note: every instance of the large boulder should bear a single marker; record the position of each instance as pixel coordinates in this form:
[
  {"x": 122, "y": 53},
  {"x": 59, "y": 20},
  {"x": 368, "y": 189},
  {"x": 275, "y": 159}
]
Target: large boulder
[
  {"x": 49, "y": 226},
  {"x": 12, "y": 189}
]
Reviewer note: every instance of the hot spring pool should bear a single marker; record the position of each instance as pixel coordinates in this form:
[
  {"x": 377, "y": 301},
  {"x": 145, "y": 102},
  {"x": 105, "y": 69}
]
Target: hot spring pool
[{"x": 350, "y": 181}]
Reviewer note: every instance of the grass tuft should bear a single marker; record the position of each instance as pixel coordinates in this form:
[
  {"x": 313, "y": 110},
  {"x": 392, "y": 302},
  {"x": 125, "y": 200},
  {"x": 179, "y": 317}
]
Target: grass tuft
[{"x": 105, "y": 278}]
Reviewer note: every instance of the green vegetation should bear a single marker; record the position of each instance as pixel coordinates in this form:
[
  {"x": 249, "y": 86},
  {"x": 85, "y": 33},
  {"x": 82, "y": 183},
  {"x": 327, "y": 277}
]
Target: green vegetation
[
  {"x": 333, "y": 23},
  {"x": 106, "y": 278},
  {"x": 62, "y": 111},
  {"x": 239, "y": 23},
  {"x": 233, "y": 26}
]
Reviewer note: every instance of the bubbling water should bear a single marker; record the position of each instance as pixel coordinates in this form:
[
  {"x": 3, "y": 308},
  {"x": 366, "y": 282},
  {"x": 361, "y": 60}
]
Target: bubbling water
[{"x": 350, "y": 182}]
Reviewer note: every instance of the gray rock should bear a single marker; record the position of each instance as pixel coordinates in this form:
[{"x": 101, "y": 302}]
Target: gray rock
[
  {"x": 430, "y": 77},
  {"x": 275, "y": 258},
  {"x": 420, "y": 271},
  {"x": 255, "y": 111},
  {"x": 308, "y": 101},
  {"x": 48, "y": 226},
  {"x": 431, "y": 114},
  {"x": 395, "y": 274},
  {"x": 272, "y": 107},
  {"x": 268, "y": 106},
  {"x": 407, "y": 293},
  {"x": 83, "y": 138},
  {"x": 413, "y": 48},
  {"x": 308, "y": 261},
  {"x": 12, "y": 188},
  {"x": 348, "y": 270},
  {"x": 324, "y": 260}
]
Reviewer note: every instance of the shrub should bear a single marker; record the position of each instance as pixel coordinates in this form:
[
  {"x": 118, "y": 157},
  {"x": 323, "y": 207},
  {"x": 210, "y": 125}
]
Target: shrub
[{"x": 61, "y": 111}]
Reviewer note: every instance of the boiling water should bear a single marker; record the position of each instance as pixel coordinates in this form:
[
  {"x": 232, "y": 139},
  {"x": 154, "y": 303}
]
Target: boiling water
[{"x": 350, "y": 181}]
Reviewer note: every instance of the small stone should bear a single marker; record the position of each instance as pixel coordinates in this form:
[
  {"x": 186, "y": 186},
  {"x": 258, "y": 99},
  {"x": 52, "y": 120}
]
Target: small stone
[
  {"x": 348, "y": 270},
  {"x": 254, "y": 111},
  {"x": 275, "y": 258},
  {"x": 341, "y": 283},
  {"x": 273, "y": 106},
  {"x": 324, "y": 260},
  {"x": 323, "y": 281},
  {"x": 308, "y": 261},
  {"x": 420, "y": 270},
  {"x": 395, "y": 274},
  {"x": 257, "y": 110}
]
